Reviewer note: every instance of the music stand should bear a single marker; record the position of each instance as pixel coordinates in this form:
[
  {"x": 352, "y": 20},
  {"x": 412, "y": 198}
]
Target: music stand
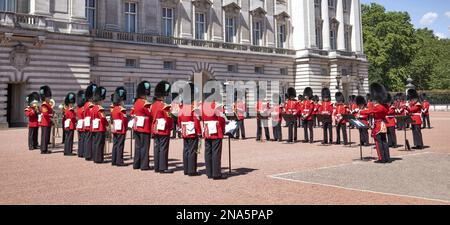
[
  {"x": 349, "y": 117},
  {"x": 359, "y": 125},
  {"x": 230, "y": 133},
  {"x": 405, "y": 120}
]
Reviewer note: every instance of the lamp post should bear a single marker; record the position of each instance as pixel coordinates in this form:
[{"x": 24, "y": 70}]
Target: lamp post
[
  {"x": 338, "y": 81},
  {"x": 410, "y": 84}
]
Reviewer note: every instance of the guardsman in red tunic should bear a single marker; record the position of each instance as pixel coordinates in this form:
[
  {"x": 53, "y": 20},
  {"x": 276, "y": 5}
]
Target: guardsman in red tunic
[
  {"x": 378, "y": 113},
  {"x": 306, "y": 114},
  {"x": 316, "y": 111},
  {"x": 88, "y": 105},
  {"x": 175, "y": 108},
  {"x": 352, "y": 107},
  {"x": 390, "y": 124},
  {"x": 339, "y": 110},
  {"x": 425, "y": 111},
  {"x": 191, "y": 131},
  {"x": 120, "y": 123},
  {"x": 99, "y": 125},
  {"x": 326, "y": 111},
  {"x": 291, "y": 107},
  {"x": 45, "y": 118},
  {"x": 262, "y": 116},
  {"x": 276, "y": 116},
  {"x": 241, "y": 111},
  {"x": 362, "y": 114},
  {"x": 142, "y": 127},
  {"x": 300, "y": 99},
  {"x": 214, "y": 127},
  {"x": 32, "y": 112},
  {"x": 69, "y": 123},
  {"x": 369, "y": 106},
  {"x": 415, "y": 111},
  {"x": 81, "y": 100},
  {"x": 161, "y": 127}
]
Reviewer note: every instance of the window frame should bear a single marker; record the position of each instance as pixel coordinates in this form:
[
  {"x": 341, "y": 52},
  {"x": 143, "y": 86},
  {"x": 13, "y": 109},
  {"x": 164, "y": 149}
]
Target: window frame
[
  {"x": 94, "y": 10},
  {"x": 257, "y": 41},
  {"x": 129, "y": 14},
  {"x": 165, "y": 21},
  {"x": 228, "y": 27},
  {"x": 281, "y": 36},
  {"x": 204, "y": 26},
  {"x": 7, "y": 8}
]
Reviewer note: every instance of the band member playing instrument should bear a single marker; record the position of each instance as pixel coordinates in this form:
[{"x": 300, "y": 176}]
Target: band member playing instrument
[
  {"x": 352, "y": 107},
  {"x": 390, "y": 124},
  {"x": 339, "y": 110},
  {"x": 191, "y": 131},
  {"x": 300, "y": 100},
  {"x": 291, "y": 108},
  {"x": 99, "y": 125},
  {"x": 326, "y": 111},
  {"x": 161, "y": 127},
  {"x": 415, "y": 111},
  {"x": 369, "y": 106},
  {"x": 425, "y": 111},
  {"x": 378, "y": 113},
  {"x": 88, "y": 105},
  {"x": 45, "y": 118},
  {"x": 69, "y": 123},
  {"x": 240, "y": 110},
  {"x": 306, "y": 114},
  {"x": 276, "y": 115},
  {"x": 32, "y": 112},
  {"x": 315, "y": 118},
  {"x": 81, "y": 100},
  {"x": 142, "y": 127},
  {"x": 262, "y": 116},
  {"x": 119, "y": 128},
  {"x": 362, "y": 114}
]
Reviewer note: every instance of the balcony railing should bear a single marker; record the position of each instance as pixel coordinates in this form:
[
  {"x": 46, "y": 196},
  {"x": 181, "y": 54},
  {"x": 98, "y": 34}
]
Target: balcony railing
[
  {"x": 173, "y": 41},
  {"x": 25, "y": 21}
]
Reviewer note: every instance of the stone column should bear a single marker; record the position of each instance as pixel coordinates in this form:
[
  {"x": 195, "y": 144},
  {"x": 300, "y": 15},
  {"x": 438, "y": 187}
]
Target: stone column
[
  {"x": 326, "y": 25},
  {"x": 355, "y": 20},
  {"x": 341, "y": 28},
  {"x": 40, "y": 7},
  {"x": 311, "y": 20}
]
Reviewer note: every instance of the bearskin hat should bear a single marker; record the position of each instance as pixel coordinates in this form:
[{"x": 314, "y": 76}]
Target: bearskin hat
[
  {"x": 339, "y": 97},
  {"x": 360, "y": 100},
  {"x": 89, "y": 93},
  {"x": 291, "y": 92},
  {"x": 315, "y": 98},
  {"x": 69, "y": 99},
  {"x": 99, "y": 94},
  {"x": 423, "y": 96},
  {"x": 308, "y": 92},
  {"x": 81, "y": 98},
  {"x": 326, "y": 93},
  {"x": 378, "y": 93},
  {"x": 162, "y": 89},
  {"x": 119, "y": 95},
  {"x": 412, "y": 94},
  {"x": 45, "y": 92},
  {"x": 143, "y": 89},
  {"x": 34, "y": 96}
]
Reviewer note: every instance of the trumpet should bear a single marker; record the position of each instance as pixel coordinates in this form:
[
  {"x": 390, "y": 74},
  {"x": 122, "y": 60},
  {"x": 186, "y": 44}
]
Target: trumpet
[{"x": 52, "y": 103}]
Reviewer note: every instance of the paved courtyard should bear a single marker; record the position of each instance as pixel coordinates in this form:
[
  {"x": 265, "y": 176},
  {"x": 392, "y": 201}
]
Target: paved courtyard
[{"x": 262, "y": 173}]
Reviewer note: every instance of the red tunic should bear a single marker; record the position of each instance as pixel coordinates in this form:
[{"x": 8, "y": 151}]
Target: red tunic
[
  {"x": 363, "y": 116},
  {"x": 87, "y": 116},
  {"x": 415, "y": 111},
  {"x": 263, "y": 109},
  {"x": 46, "y": 115},
  {"x": 291, "y": 107},
  {"x": 307, "y": 109},
  {"x": 379, "y": 113},
  {"x": 162, "y": 120},
  {"x": 276, "y": 113},
  {"x": 98, "y": 114},
  {"x": 240, "y": 110},
  {"x": 340, "y": 110},
  {"x": 187, "y": 119},
  {"x": 142, "y": 113},
  {"x": 211, "y": 116},
  {"x": 32, "y": 115},
  {"x": 390, "y": 117},
  {"x": 426, "y": 108},
  {"x": 316, "y": 108},
  {"x": 119, "y": 118},
  {"x": 326, "y": 108},
  {"x": 70, "y": 118},
  {"x": 80, "y": 116}
]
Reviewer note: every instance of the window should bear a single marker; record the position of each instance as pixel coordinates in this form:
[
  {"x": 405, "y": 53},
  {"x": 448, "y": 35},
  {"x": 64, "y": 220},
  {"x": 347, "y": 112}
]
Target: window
[
  {"x": 230, "y": 32},
  {"x": 317, "y": 3},
  {"x": 283, "y": 71},
  {"x": 200, "y": 26},
  {"x": 257, "y": 33},
  {"x": 232, "y": 68},
  {"x": 319, "y": 36},
  {"x": 331, "y": 4},
  {"x": 130, "y": 17},
  {"x": 333, "y": 39},
  {"x": 347, "y": 37},
  {"x": 90, "y": 6},
  {"x": 7, "y": 5},
  {"x": 281, "y": 35},
  {"x": 93, "y": 60},
  {"x": 259, "y": 70},
  {"x": 167, "y": 22},
  {"x": 130, "y": 87},
  {"x": 345, "y": 5},
  {"x": 169, "y": 65},
  {"x": 132, "y": 63}
]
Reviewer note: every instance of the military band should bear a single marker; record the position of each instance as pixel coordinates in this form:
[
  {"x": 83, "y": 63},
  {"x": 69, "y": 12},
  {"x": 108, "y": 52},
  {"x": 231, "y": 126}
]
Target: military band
[
  {"x": 119, "y": 127},
  {"x": 69, "y": 123},
  {"x": 32, "y": 113},
  {"x": 45, "y": 118}
]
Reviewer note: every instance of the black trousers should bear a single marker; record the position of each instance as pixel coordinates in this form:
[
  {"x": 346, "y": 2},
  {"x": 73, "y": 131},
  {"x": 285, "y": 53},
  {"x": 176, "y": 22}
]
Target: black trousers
[
  {"x": 190, "y": 147},
  {"x": 292, "y": 130},
  {"x": 341, "y": 126},
  {"x": 81, "y": 137},
  {"x": 308, "y": 125},
  {"x": 315, "y": 120},
  {"x": 392, "y": 137},
  {"x": 240, "y": 130},
  {"x": 45, "y": 138},
  {"x": 260, "y": 124},
  {"x": 117, "y": 150},
  {"x": 417, "y": 135},
  {"x": 33, "y": 137},
  {"x": 213, "y": 157},
  {"x": 88, "y": 145},
  {"x": 327, "y": 132},
  {"x": 141, "y": 151},
  {"x": 382, "y": 147},
  {"x": 276, "y": 129},
  {"x": 63, "y": 135},
  {"x": 426, "y": 121},
  {"x": 98, "y": 146},
  {"x": 364, "y": 136},
  {"x": 161, "y": 152},
  {"x": 68, "y": 142}
]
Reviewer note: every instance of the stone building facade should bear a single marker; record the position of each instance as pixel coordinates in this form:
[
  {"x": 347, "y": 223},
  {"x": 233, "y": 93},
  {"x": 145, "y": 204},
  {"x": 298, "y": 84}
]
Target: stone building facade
[{"x": 68, "y": 43}]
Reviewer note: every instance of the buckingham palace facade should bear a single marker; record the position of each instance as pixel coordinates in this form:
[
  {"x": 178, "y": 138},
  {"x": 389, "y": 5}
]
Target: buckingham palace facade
[{"x": 67, "y": 44}]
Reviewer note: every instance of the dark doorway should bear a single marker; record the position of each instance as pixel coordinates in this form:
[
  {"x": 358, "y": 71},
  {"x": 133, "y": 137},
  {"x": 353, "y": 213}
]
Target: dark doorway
[{"x": 15, "y": 114}]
